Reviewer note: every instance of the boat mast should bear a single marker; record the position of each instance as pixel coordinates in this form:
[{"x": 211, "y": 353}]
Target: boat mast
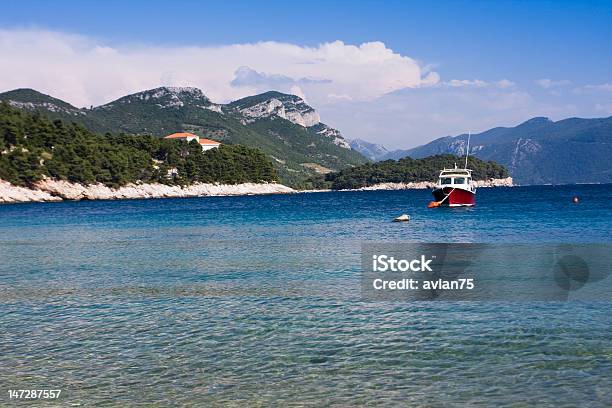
[{"x": 467, "y": 152}]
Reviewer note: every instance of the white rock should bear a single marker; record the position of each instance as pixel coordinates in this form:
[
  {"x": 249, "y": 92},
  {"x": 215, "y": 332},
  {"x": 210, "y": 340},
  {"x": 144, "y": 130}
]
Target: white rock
[
  {"x": 10, "y": 193},
  {"x": 56, "y": 190},
  {"x": 506, "y": 182},
  {"x": 294, "y": 111}
]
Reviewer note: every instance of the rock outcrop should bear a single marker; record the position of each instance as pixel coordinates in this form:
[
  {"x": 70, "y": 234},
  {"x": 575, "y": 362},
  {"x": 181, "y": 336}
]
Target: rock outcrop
[
  {"x": 505, "y": 182},
  {"x": 290, "y": 107},
  {"x": 58, "y": 190},
  {"x": 14, "y": 194}
]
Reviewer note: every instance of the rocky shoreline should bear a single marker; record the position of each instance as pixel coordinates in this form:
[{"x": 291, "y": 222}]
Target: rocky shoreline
[
  {"x": 505, "y": 182},
  {"x": 58, "y": 190}
]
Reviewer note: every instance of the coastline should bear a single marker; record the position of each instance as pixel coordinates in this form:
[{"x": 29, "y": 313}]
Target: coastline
[
  {"x": 49, "y": 190},
  {"x": 58, "y": 190},
  {"x": 420, "y": 185}
]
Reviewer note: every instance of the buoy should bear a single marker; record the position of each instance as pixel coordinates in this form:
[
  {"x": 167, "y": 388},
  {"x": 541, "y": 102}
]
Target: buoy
[
  {"x": 575, "y": 200},
  {"x": 403, "y": 217},
  {"x": 433, "y": 204}
]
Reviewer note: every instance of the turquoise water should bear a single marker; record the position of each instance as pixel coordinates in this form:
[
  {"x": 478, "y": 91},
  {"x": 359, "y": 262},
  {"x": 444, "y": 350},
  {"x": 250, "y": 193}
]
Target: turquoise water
[{"x": 256, "y": 301}]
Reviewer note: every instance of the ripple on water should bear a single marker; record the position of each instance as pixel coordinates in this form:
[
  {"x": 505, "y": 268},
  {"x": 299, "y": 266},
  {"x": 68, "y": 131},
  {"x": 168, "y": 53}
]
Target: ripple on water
[{"x": 255, "y": 301}]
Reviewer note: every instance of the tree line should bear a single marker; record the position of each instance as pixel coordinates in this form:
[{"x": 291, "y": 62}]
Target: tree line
[{"x": 32, "y": 147}]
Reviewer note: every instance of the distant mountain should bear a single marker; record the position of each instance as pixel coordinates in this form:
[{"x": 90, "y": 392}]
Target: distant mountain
[
  {"x": 372, "y": 151},
  {"x": 538, "y": 151},
  {"x": 287, "y": 129},
  {"x": 394, "y": 155}
]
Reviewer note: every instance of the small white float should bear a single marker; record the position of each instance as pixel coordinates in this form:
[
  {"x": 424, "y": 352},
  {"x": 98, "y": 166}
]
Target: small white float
[{"x": 402, "y": 218}]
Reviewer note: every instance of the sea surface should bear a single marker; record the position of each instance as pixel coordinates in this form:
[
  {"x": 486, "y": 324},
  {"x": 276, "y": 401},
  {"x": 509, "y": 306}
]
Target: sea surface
[{"x": 255, "y": 301}]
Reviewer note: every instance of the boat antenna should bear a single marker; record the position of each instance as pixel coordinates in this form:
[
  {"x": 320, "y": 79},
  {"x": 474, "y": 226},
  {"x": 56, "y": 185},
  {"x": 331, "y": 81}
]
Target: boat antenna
[{"x": 467, "y": 152}]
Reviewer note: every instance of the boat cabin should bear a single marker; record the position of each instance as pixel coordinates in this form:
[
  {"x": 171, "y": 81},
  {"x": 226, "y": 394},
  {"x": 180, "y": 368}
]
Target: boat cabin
[{"x": 457, "y": 178}]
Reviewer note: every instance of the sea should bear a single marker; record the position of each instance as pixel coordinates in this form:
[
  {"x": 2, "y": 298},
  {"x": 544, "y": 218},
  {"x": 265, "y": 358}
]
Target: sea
[{"x": 255, "y": 301}]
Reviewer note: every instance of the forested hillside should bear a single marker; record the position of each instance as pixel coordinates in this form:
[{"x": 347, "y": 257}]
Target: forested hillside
[
  {"x": 406, "y": 170},
  {"x": 32, "y": 146},
  {"x": 283, "y": 126}
]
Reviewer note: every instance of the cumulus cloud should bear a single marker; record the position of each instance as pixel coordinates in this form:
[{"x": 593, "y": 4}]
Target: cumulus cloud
[
  {"x": 85, "y": 71},
  {"x": 367, "y": 91},
  {"x": 245, "y": 76}
]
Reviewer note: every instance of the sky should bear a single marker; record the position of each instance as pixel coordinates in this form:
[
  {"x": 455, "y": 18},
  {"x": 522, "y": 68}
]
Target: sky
[{"x": 398, "y": 73}]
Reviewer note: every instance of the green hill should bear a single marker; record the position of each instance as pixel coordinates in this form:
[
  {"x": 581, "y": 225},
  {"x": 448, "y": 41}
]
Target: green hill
[
  {"x": 405, "y": 170},
  {"x": 32, "y": 146},
  {"x": 283, "y": 126}
]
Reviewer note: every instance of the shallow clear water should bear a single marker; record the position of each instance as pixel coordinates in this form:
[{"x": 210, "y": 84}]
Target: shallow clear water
[{"x": 256, "y": 301}]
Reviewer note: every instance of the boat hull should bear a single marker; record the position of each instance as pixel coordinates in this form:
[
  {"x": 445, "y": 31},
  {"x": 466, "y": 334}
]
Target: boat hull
[{"x": 458, "y": 197}]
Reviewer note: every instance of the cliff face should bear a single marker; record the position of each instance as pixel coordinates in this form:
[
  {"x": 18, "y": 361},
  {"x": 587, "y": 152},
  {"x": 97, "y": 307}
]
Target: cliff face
[
  {"x": 271, "y": 105},
  {"x": 289, "y": 107}
]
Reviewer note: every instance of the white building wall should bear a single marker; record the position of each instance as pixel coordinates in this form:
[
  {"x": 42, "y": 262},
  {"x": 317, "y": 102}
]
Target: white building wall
[{"x": 208, "y": 147}]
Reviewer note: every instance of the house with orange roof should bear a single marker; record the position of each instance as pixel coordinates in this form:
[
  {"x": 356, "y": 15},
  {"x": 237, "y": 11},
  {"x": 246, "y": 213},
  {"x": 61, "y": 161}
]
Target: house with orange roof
[{"x": 206, "y": 144}]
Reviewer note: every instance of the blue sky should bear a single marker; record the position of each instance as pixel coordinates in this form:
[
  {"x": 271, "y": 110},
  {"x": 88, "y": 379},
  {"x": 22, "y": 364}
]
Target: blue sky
[{"x": 480, "y": 43}]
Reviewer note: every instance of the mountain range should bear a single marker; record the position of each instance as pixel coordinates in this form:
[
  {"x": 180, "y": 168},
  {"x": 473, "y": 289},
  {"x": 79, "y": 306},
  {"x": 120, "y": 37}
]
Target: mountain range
[
  {"x": 538, "y": 151},
  {"x": 370, "y": 150},
  {"x": 290, "y": 132},
  {"x": 283, "y": 126}
]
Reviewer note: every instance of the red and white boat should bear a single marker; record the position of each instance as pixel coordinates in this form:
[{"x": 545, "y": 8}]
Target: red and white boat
[{"x": 455, "y": 187}]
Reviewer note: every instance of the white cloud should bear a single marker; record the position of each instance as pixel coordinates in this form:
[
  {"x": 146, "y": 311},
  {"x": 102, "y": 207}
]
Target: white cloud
[
  {"x": 477, "y": 83},
  {"x": 296, "y": 90},
  {"x": 85, "y": 71},
  {"x": 456, "y": 83},
  {"x": 245, "y": 76},
  {"x": 367, "y": 91},
  {"x": 333, "y": 96},
  {"x": 547, "y": 83},
  {"x": 600, "y": 87},
  {"x": 505, "y": 83}
]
